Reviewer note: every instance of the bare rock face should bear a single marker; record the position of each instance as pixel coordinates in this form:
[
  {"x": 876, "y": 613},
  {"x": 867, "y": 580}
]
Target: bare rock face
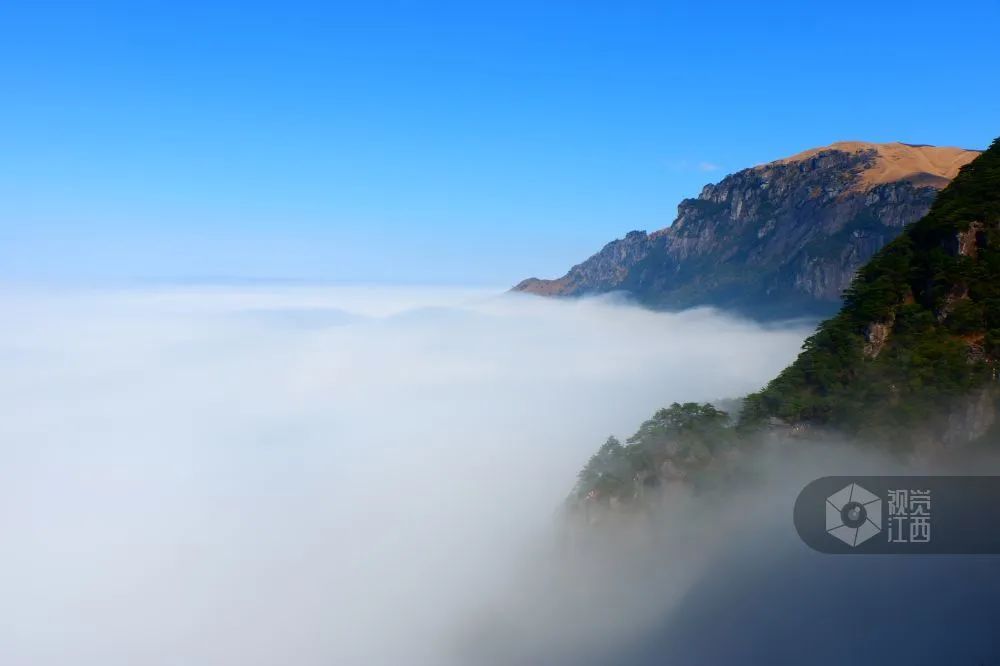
[
  {"x": 971, "y": 418},
  {"x": 608, "y": 268},
  {"x": 968, "y": 242},
  {"x": 781, "y": 239},
  {"x": 876, "y": 335}
]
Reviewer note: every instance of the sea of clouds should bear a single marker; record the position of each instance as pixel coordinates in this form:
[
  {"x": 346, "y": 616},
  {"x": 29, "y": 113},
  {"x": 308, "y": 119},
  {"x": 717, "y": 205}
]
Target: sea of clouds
[{"x": 259, "y": 475}]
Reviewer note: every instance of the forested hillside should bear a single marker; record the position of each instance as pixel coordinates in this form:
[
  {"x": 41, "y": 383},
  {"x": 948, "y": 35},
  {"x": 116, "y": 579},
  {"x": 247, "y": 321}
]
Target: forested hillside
[{"x": 910, "y": 359}]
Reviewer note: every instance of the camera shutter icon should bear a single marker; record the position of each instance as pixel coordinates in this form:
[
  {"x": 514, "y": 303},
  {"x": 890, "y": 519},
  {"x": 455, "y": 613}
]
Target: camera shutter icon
[{"x": 853, "y": 515}]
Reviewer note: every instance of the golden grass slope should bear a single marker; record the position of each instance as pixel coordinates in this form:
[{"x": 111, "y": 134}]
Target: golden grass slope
[{"x": 933, "y": 166}]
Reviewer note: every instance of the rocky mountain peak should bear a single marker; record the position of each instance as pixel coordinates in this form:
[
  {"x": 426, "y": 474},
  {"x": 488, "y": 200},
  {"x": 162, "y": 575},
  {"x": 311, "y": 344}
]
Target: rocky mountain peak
[
  {"x": 922, "y": 165},
  {"x": 776, "y": 240},
  {"x": 919, "y": 332}
]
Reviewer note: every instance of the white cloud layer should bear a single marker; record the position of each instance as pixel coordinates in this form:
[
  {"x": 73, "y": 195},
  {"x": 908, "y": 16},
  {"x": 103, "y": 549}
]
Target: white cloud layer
[{"x": 308, "y": 475}]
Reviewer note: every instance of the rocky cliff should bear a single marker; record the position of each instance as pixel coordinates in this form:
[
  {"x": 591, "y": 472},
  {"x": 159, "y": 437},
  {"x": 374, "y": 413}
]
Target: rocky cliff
[
  {"x": 910, "y": 363},
  {"x": 919, "y": 333},
  {"x": 776, "y": 240}
]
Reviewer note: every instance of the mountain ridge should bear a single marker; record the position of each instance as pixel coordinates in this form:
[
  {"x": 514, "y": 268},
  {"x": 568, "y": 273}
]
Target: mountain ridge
[
  {"x": 776, "y": 240},
  {"x": 919, "y": 329},
  {"x": 910, "y": 363}
]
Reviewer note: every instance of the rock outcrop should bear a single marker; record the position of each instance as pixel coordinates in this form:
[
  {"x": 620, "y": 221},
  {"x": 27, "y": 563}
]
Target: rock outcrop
[
  {"x": 910, "y": 364},
  {"x": 914, "y": 353},
  {"x": 777, "y": 240}
]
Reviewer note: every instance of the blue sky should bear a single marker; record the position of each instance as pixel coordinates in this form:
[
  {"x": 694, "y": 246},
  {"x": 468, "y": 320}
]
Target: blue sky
[{"x": 465, "y": 142}]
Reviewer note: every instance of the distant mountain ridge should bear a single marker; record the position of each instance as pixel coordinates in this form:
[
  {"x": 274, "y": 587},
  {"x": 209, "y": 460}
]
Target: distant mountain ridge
[
  {"x": 776, "y": 240},
  {"x": 910, "y": 364}
]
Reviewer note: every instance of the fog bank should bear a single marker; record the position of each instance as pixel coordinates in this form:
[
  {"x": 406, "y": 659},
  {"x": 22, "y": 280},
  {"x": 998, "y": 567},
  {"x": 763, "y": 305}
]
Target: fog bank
[{"x": 310, "y": 475}]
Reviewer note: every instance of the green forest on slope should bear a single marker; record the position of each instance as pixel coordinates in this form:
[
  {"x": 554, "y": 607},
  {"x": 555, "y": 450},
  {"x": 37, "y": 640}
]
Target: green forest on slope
[
  {"x": 919, "y": 329},
  {"x": 933, "y": 294}
]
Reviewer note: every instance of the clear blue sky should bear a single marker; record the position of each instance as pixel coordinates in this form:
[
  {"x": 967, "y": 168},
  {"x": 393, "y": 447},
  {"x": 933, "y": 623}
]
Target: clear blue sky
[{"x": 464, "y": 142}]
